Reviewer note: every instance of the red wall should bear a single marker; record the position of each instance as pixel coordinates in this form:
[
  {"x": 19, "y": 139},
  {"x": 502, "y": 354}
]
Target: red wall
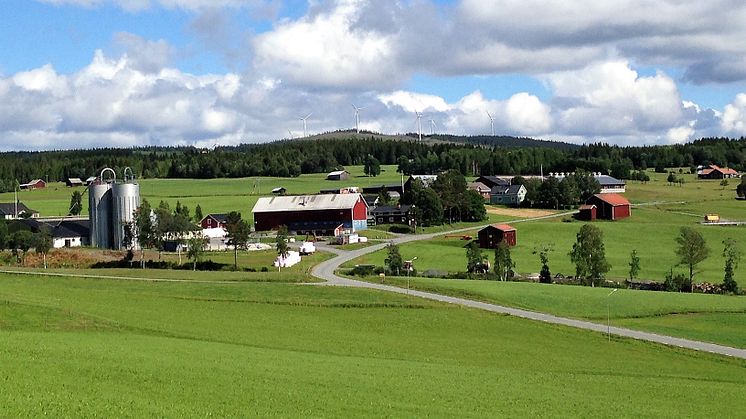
[
  {"x": 621, "y": 211},
  {"x": 360, "y": 211},
  {"x": 265, "y": 221}
]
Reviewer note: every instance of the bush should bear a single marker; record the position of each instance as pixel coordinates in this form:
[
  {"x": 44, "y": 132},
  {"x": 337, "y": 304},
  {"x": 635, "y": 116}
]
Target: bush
[
  {"x": 364, "y": 270},
  {"x": 265, "y": 269},
  {"x": 400, "y": 228},
  {"x": 677, "y": 283}
]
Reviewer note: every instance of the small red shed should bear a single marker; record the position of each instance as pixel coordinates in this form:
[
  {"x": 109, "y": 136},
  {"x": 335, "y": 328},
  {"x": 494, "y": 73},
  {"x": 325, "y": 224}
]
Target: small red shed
[
  {"x": 587, "y": 212},
  {"x": 490, "y": 236},
  {"x": 610, "y": 206}
]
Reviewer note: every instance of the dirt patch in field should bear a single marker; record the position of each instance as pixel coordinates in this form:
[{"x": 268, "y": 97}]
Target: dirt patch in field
[{"x": 520, "y": 212}]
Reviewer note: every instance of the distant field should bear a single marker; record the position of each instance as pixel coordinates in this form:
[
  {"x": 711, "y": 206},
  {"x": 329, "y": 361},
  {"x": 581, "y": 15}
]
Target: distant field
[
  {"x": 73, "y": 347},
  {"x": 714, "y": 318},
  {"x": 213, "y": 195}
]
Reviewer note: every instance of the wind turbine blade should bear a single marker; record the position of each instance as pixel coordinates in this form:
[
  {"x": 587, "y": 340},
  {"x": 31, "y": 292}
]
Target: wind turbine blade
[{"x": 308, "y": 116}]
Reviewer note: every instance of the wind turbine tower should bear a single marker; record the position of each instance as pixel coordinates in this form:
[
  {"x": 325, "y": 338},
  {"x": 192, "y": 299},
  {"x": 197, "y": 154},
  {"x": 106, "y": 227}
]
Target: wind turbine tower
[
  {"x": 492, "y": 123},
  {"x": 419, "y": 124},
  {"x": 357, "y": 117},
  {"x": 305, "y": 130}
]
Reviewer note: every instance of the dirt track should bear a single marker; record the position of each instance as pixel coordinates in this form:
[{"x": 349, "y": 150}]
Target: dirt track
[{"x": 520, "y": 212}]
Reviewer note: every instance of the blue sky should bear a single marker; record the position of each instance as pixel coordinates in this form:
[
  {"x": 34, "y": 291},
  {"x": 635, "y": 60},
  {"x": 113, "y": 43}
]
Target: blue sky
[{"x": 80, "y": 73}]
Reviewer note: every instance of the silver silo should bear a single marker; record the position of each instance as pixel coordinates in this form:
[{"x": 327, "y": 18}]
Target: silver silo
[
  {"x": 126, "y": 199},
  {"x": 100, "y": 210}
]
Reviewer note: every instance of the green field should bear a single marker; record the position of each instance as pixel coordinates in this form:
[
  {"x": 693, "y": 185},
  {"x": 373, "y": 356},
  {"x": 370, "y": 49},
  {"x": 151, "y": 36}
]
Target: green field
[
  {"x": 714, "y": 318},
  {"x": 213, "y": 195},
  {"x": 73, "y": 347}
]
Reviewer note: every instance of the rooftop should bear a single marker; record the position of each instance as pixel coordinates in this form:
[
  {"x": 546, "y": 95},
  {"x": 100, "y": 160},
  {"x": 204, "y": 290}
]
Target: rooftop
[
  {"x": 612, "y": 199},
  {"x": 306, "y": 202}
]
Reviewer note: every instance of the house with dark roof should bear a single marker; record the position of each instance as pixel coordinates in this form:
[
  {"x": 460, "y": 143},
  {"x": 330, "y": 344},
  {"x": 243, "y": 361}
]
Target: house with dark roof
[
  {"x": 393, "y": 214},
  {"x": 716, "y": 172},
  {"x": 610, "y": 206},
  {"x": 65, "y": 233},
  {"x": 508, "y": 195},
  {"x": 214, "y": 221},
  {"x": 11, "y": 211},
  {"x": 492, "y": 181}
]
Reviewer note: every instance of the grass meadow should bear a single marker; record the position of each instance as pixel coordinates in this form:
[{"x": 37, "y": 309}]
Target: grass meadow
[
  {"x": 82, "y": 347},
  {"x": 213, "y": 195},
  {"x": 713, "y": 318}
]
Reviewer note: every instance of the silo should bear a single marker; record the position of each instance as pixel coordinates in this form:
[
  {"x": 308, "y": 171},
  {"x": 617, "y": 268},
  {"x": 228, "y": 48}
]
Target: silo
[
  {"x": 126, "y": 199},
  {"x": 99, "y": 208}
]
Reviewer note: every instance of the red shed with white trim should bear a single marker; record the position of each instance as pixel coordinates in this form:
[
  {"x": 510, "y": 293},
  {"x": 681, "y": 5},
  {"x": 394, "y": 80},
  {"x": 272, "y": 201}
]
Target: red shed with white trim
[{"x": 610, "y": 206}]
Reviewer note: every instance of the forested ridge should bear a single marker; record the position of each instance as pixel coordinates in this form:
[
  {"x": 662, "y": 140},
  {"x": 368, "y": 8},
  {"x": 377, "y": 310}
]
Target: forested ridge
[{"x": 294, "y": 157}]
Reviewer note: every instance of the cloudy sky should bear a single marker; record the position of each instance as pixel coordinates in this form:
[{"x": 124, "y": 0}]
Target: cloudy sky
[{"x": 85, "y": 73}]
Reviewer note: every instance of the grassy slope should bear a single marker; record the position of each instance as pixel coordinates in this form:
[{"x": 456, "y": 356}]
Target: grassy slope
[
  {"x": 714, "y": 318},
  {"x": 84, "y": 348},
  {"x": 213, "y": 195}
]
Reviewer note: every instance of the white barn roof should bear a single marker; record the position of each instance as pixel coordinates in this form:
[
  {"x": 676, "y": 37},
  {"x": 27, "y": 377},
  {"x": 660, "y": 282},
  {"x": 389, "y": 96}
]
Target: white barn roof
[{"x": 306, "y": 202}]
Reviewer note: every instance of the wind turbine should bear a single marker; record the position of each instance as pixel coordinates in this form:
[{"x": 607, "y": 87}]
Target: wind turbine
[
  {"x": 432, "y": 126},
  {"x": 291, "y": 135},
  {"x": 305, "y": 131},
  {"x": 419, "y": 123},
  {"x": 492, "y": 123},
  {"x": 357, "y": 117}
]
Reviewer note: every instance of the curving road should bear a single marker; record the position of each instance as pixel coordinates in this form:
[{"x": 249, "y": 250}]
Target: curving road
[{"x": 326, "y": 270}]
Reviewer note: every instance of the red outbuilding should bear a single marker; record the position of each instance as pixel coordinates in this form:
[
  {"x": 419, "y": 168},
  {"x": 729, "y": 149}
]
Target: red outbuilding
[
  {"x": 610, "y": 206},
  {"x": 34, "y": 184},
  {"x": 490, "y": 236},
  {"x": 587, "y": 212},
  {"x": 320, "y": 214}
]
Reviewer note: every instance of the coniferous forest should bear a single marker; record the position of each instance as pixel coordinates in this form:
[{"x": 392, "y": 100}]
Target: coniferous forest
[{"x": 470, "y": 155}]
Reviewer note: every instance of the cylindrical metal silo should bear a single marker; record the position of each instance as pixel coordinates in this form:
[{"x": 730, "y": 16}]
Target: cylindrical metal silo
[
  {"x": 125, "y": 199},
  {"x": 99, "y": 208}
]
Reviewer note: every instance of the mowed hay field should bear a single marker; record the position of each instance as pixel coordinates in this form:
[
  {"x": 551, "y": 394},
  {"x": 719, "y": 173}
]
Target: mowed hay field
[
  {"x": 76, "y": 347},
  {"x": 213, "y": 195},
  {"x": 712, "y": 318}
]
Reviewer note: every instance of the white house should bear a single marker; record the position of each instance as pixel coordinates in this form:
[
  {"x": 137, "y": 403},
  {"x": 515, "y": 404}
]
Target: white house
[{"x": 508, "y": 195}]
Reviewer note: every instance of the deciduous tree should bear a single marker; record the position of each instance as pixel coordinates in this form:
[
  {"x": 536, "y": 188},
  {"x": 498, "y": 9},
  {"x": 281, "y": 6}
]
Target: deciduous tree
[
  {"x": 692, "y": 250},
  {"x": 393, "y": 261},
  {"x": 237, "y": 233},
  {"x": 634, "y": 264},
  {"x": 589, "y": 256},
  {"x": 732, "y": 254},
  {"x": 503, "y": 262}
]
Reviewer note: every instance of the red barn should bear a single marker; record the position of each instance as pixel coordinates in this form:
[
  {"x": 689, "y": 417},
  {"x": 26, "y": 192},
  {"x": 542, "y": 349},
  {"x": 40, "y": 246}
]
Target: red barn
[
  {"x": 610, "y": 206},
  {"x": 34, "y": 184},
  {"x": 311, "y": 213},
  {"x": 492, "y": 235},
  {"x": 214, "y": 221}
]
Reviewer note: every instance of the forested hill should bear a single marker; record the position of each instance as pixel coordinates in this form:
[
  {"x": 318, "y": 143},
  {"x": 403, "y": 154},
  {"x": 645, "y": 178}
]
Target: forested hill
[
  {"x": 294, "y": 157},
  {"x": 504, "y": 141}
]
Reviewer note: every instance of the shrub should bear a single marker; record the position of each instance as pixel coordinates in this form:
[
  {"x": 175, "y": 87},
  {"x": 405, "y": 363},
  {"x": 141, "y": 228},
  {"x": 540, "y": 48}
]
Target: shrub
[
  {"x": 400, "y": 228},
  {"x": 265, "y": 269},
  {"x": 363, "y": 270},
  {"x": 677, "y": 283}
]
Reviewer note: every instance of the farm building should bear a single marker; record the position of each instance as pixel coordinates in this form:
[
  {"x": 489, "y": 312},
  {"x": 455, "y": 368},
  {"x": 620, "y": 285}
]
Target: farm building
[
  {"x": 319, "y": 214},
  {"x": 73, "y": 182},
  {"x": 610, "y": 206},
  {"x": 90, "y": 180},
  {"x": 65, "y": 233},
  {"x": 607, "y": 183},
  {"x": 492, "y": 181},
  {"x": 393, "y": 214},
  {"x": 490, "y": 236},
  {"x": 338, "y": 175},
  {"x": 587, "y": 212},
  {"x": 715, "y": 172},
  {"x": 391, "y": 189},
  {"x": 34, "y": 184},
  {"x": 214, "y": 221},
  {"x": 480, "y": 188},
  {"x": 11, "y": 211},
  {"x": 508, "y": 195},
  {"x": 279, "y": 191}
]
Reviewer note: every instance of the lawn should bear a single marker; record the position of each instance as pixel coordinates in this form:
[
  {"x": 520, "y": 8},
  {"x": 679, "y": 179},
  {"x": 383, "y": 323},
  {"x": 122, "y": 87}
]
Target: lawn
[
  {"x": 213, "y": 195},
  {"x": 714, "y": 318},
  {"x": 74, "y": 347}
]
